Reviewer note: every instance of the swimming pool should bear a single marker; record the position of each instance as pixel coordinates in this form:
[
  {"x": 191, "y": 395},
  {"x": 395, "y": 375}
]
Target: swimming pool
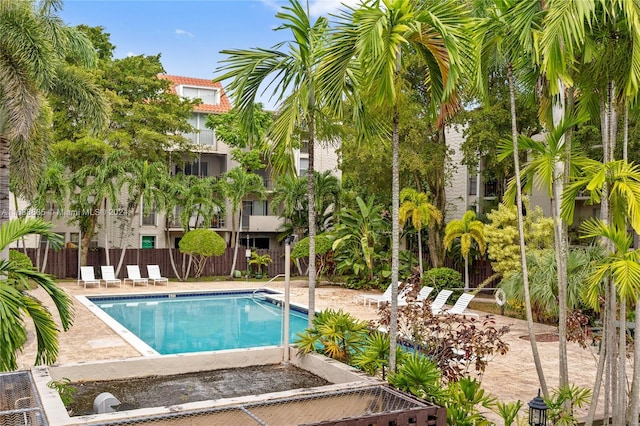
[{"x": 176, "y": 323}]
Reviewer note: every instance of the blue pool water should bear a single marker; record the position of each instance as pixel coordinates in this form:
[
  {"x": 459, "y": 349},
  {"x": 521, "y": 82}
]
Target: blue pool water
[{"x": 180, "y": 323}]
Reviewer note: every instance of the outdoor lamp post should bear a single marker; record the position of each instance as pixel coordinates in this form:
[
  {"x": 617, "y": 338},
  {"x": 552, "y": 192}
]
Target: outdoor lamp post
[
  {"x": 538, "y": 411},
  {"x": 287, "y": 285}
]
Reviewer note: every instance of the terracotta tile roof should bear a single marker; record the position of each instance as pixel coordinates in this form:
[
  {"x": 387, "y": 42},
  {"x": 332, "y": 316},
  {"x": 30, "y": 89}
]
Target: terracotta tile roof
[{"x": 225, "y": 104}]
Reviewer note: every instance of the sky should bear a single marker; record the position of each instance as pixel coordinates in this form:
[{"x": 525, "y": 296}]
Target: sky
[{"x": 188, "y": 34}]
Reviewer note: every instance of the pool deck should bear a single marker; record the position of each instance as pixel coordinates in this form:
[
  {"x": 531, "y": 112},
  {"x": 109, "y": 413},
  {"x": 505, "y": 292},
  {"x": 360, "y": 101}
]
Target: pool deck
[{"x": 508, "y": 377}]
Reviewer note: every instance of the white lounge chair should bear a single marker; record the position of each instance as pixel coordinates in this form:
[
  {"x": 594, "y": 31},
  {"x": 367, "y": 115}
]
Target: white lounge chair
[
  {"x": 460, "y": 307},
  {"x": 386, "y": 297},
  {"x": 367, "y": 298},
  {"x": 87, "y": 276},
  {"x": 439, "y": 302},
  {"x": 109, "y": 276},
  {"x": 155, "y": 276},
  {"x": 133, "y": 275},
  {"x": 423, "y": 294}
]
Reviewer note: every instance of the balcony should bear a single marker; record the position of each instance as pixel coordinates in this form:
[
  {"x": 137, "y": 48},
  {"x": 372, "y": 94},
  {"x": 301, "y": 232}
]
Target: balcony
[{"x": 261, "y": 223}]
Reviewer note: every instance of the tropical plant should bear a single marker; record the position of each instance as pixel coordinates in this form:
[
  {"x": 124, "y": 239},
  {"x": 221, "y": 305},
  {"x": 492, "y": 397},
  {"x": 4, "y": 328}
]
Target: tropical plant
[
  {"x": 145, "y": 184},
  {"x": 508, "y": 411},
  {"x": 415, "y": 205},
  {"x": 34, "y": 46},
  {"x": 375, "y": 356},
  {"x": 365, "y": 60},
  {"x": 468, "y": 230},
  {"x": 324, "y": 252},
  {"x": 562, "y": 404},
  {"x": 418, "y": 375},
  {"x": 65, "y": 389},
  {"x": 463, "y": 398},
  {"x": 17, "y": 303},
  {"x": 358, "y": 237},
  {"x": 98, "y": 192},
  {"x": 291, "y": 75},
  {"x": 202, "y": 244},
  {"x": 238, "y": 184},
  {"x": 259, "y": 261},
  {"x": 336, "y": 334}
]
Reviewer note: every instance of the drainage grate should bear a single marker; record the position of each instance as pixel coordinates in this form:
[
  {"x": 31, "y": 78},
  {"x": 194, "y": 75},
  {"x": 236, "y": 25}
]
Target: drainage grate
[
  {"x": 19, "y": 402},
  {"x": 379, "y": 405}
]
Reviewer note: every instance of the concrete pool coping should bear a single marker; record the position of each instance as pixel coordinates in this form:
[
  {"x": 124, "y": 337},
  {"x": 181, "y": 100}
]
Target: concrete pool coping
[
  {"x": 138, "y": 344},
  {"x": 342, "y": 377}
]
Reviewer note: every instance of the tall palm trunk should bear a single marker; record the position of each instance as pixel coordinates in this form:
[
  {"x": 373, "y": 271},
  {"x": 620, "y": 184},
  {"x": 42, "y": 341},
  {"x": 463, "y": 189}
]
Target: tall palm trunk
[
  {"x": 634, "y": 412},
  {"x": 395, "y": 238},
  {"x": 236, "y": 244},
  {"x": 561, "y": 243},
  {"x": 420, "y": 253},
  {"x": 312, "y": 210},
  {"x": 5, "y": 203},
  {"x": 523, "y": 254}
]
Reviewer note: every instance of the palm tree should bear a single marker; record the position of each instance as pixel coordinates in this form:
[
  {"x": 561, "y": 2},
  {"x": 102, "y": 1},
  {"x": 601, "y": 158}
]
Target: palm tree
[
  {"x": 16, "y": 303},
  {"x": 238, "y": 184},
  {"x": 468, "y": 230},
  {"x": 507, "y": 37},
  {"x": 291, "y": 75},
  {"x": 34, "y": 44},
  {"x": 99, "y": 185},
  {"x": 416, "y": 206},
  {"x": 365, "y": 61},
  {"x": 145, "y": 182},
  {"x": 52, "y": 194}
]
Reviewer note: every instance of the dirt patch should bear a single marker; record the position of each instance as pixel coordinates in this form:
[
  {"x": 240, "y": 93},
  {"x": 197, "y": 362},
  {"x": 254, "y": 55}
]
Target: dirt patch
[
  {"x": 158, "y": 391},
  {"x": 544, "y": 337}
]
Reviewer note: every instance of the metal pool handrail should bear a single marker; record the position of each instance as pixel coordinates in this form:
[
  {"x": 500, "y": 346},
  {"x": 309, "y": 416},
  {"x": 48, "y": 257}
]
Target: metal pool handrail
[{"x": 265, "y": 284}]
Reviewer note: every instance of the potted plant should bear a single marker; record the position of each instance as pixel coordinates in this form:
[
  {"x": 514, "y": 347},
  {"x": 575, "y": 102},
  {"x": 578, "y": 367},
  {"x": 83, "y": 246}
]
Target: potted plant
[{"x": 259, "y": 261}]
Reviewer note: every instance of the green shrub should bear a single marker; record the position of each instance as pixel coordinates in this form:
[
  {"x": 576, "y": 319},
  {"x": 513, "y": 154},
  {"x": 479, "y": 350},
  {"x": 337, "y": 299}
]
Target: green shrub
[
  {"x": 441, "y": 278},
  {"x": 202, "y": 244}
]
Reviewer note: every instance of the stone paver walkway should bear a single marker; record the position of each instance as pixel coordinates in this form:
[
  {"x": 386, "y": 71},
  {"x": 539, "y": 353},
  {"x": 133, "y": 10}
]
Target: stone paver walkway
[{"x": 509, "y": 377}]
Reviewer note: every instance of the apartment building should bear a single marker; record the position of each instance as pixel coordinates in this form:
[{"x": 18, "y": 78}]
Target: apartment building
[{"x": 259, "y": 225}]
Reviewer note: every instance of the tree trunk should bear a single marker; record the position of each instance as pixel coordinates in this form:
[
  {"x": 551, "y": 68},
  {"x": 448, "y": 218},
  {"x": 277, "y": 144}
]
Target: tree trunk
[
  {"x": 395, "y": 235},
  {"x": 622, "y": 371},
  {"x": 634, "y": 399},
  {"x": 523, "y": 254},
  {"x": 312, "y": 210},
  {"x": 106, "y": 232},
  {"x": 5, "y": 203},
  {"x": 171, "y": 259},
  {"x": 236, "y": 244},
  {"x": 560, "y": 168},
  {"x": 420, "y": 253},
  {"x": 466, "y": 273}
]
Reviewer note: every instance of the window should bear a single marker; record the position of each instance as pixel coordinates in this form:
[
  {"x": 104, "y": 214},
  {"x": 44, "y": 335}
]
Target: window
[
  {"x": 203, "y": 136},
  {"x": 304, "y": 166},
  {"x": 491, "y": 189},
  {"x": 74, "y": 237},
  {"x": 149, "y": 219},
  {"x": 207, "y": 96},
  {"x": 197, "y": 168},
  {"x": 473, "y": 185},
  {"x": 148, "y": 241}
]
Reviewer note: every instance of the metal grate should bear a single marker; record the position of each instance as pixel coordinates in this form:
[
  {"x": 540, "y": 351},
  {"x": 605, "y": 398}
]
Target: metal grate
[
  {"x": 375, "y": 405},
  {"x": 19, "y": 401}
]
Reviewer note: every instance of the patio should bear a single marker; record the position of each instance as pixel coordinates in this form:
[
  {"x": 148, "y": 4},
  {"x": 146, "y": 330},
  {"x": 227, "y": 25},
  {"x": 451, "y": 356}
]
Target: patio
[{"x": 508, "y": 378}]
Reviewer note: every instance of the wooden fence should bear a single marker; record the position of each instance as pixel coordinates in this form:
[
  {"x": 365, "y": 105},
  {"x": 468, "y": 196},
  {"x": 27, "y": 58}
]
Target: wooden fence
[{"x": 64, "y": 263}]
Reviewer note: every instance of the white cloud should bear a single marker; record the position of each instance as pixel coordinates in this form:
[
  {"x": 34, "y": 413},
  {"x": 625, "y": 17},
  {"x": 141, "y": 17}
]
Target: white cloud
[
  {"x": 181, "y": 33},
  {"x": 130, "y": 54},
  {"x": 316, "y": 7},
  {"x": 325, "y": 7}
]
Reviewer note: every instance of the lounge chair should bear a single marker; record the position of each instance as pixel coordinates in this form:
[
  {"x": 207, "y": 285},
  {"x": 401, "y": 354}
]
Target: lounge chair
[
  {"x": 155, "y": 276},
  {"x": 133, "y": 275},
  {"x": 422, "y": 295},
  {"x": 87, "y": 276},
  {"x": 460, "y": 307},
  {"x": 386, "y": 297},
  {"x": 439, "y": 302},
  {"x": 369, "y": 297},
  {"x": 109, "y": 276}
]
